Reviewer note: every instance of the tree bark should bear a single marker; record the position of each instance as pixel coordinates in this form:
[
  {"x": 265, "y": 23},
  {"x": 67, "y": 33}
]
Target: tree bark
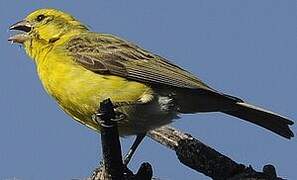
[{"x": 204, "y": 159}]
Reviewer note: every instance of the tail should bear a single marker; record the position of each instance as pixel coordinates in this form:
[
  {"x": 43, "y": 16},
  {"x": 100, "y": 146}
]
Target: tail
[
  {"x": 264, "y": 118},
  {"x": 193, "y": 101}
]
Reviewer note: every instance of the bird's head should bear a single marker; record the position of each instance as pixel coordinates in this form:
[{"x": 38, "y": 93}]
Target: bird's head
[{"x": 47, "y": 25}]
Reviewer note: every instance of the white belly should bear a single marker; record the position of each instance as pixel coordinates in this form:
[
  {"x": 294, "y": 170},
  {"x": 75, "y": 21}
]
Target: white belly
[{"x": 145, "y": 117}]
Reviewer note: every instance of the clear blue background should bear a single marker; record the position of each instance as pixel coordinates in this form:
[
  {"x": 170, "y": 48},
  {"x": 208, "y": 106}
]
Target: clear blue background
[{"x": 245, "y": 48}]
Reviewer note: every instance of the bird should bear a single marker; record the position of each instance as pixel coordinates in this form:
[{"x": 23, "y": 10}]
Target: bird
[{"x": 80, "y": 68}]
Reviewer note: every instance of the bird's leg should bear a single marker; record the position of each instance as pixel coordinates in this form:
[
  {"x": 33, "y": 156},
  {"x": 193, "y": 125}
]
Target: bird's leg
[{"x": 137, "y": 141}]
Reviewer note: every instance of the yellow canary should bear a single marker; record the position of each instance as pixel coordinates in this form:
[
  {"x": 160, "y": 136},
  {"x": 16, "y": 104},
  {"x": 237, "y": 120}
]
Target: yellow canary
[{"x": 80, "y": 68}]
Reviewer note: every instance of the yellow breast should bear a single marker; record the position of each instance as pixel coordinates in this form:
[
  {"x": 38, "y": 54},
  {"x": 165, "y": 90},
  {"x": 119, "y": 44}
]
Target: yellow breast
[{"x": 79, "y": 91}]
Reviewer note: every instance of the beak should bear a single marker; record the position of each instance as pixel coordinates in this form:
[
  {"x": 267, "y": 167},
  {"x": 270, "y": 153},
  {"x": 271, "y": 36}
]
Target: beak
[
  {"x": 24, "y": 26},
  {"x": 21, "y": 26}
]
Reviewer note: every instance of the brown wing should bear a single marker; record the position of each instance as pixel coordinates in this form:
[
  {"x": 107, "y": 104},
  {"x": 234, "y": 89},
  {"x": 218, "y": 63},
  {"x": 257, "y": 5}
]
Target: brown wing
[{"x": 107, "y": 54}]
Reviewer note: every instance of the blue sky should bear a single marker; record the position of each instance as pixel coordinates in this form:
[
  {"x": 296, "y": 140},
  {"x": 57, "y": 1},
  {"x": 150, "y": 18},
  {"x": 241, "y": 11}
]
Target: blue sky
[{"x": 244, "y": 48}]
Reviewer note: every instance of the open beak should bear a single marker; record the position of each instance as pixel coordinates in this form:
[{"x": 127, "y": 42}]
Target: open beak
[{"x": 23, "y": 26}]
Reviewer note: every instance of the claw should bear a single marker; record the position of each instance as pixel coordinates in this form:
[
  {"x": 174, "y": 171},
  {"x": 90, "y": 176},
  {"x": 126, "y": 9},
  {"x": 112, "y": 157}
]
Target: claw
[{"x": 119, "y": 116}]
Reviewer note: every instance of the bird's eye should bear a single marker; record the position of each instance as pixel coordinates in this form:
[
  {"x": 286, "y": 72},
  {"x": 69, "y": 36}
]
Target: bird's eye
[{"x": 40, "y": 17}]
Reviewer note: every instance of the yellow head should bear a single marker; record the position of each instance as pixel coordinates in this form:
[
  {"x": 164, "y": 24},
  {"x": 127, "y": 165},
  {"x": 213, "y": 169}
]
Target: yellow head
[{"x": 45, "y": 25}]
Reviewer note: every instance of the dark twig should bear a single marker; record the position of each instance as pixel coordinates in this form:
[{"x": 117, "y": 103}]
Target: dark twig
[
  {"x": 113, "y": 167},
  {"x": 200, "y": 157},
  {"x": 111, "y": 147}
]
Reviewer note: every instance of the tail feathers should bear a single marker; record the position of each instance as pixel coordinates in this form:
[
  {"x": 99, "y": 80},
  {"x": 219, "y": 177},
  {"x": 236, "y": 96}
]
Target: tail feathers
[{"x": 264, "y": 118}]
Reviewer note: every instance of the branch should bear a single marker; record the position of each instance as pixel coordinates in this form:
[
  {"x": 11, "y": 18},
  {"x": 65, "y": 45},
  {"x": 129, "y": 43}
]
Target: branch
[
  {"x": 202, "y": 158},
  {"x": 112, "y": 167}
]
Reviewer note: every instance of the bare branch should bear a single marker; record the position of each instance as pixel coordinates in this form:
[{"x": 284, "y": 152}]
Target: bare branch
[
  {"x": 113, "y": 167},
  {"x": 202, "y": 158}
]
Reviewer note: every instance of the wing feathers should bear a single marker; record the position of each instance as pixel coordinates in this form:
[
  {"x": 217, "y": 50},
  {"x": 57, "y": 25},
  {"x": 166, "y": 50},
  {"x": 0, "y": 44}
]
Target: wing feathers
[{"x": 102, "y": 53}]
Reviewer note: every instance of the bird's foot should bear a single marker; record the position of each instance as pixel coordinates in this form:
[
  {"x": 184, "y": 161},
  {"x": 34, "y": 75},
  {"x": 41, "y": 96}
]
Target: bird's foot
[{"x": 118, "y": 116}]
